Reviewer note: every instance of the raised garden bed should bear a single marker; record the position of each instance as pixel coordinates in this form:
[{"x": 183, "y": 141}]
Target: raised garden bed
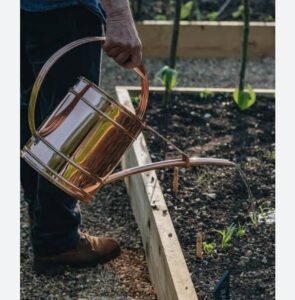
[
  {"x": 208, "y": 198},
  {"x": 206, "y": 39}
]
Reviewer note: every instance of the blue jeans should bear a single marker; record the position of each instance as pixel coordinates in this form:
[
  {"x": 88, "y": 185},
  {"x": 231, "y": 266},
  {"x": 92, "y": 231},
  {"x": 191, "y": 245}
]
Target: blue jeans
[{"x": 55, "y": 216}]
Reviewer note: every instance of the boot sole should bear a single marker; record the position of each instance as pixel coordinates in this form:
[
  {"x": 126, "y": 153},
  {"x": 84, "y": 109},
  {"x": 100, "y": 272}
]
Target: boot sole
[{"x": 55, "y": 268}]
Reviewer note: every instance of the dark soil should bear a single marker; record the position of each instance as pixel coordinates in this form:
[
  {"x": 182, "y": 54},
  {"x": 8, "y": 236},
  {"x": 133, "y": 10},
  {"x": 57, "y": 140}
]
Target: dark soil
[
  {"x": 214, "y": 198},
  {"x": 261, "y": 10}
]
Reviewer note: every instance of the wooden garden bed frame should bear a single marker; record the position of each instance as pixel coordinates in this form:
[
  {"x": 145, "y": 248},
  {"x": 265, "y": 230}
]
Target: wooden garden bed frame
[
  {"x": 166, "y": 264},
  {"x": 206, "y": 39}
]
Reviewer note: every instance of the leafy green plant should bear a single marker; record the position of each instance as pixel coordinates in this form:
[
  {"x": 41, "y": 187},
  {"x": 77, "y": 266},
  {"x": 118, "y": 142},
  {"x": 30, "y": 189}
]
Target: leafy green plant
[
  {"x": 167, "y": 76},
  {"x": 239, "y": 12},
  {"x": 190, "y": 10},
  {"x": 241, "y": 231},
  {"x": 186, "y": 9},
  {"x": 226, "y": 235},
  {"x": 209, "y": 247},
  {"x": 244, "y": 98},
  {"x": 212, "y": 16}
]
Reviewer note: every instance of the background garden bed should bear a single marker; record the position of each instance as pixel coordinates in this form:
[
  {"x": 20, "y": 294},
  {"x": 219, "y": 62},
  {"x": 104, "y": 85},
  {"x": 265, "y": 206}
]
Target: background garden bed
[
  {"x": 261, "y": 10},
  {"x": 203, "y": 39},
  {"x": 216, "y": 198}
]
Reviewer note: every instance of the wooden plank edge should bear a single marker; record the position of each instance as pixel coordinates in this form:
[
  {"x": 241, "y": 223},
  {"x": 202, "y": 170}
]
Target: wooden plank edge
[
  {"x": 167, "y": 267},
  {"x": 263, "y": 92},
  {"x": 206, "y": 23}
]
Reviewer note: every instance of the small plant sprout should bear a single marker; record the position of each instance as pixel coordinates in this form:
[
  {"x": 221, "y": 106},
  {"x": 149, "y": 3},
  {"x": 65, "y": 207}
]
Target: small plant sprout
[
  {"x": 254, "y": 217},
  {"x": 241, "y": 231},
  {"x": 266, "y": 214},
  {"x": 167, "y": 76},
  {"x": 212, "y": 16},
  {"x": 191, "y": 10},
  {"x": 186, "y": 9},
  {"x": 208, "y": 248},
  {"x": 226, "y": 235},
  {"x": 239, "y": 12},
  {"x": 206, "y": 94},
  {"x": 134, "y": 100}
]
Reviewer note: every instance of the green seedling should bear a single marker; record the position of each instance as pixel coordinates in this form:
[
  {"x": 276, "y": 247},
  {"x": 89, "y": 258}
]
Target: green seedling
[
  {"x": 254, "y": 218},
  {"x": 239, "y": 12},
  {"x": 186, "y": 9},
  {"x": 134, "y": 100},
  {"x": 212, "y": 16},
  {"x": 241, "y": 231},
  {"x": 200, "y": 179},
  {"x": 208, "y": 247},
  {"x": 244, "y": 98},
  {"x": 160, "y": 17},
  {"x": 226, "y": 235},
  {"x": 261, "y": 215},
  {"x": 264, "y": 213},
  {"x": 167, "y": 76},
  {"x": 206, "y": 94}
]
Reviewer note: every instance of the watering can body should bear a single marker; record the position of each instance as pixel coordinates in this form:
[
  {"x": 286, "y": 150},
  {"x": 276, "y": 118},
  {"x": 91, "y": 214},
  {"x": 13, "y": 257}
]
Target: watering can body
[
  {"x": 80, "y": 144},
  {"x": 82, "y": 141}
]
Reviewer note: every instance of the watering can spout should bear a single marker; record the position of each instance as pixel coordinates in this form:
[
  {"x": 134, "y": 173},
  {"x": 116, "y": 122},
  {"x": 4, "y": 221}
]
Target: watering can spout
[
  {"x": 193, "y": 162},
  {"x": 180, "y": 163}
]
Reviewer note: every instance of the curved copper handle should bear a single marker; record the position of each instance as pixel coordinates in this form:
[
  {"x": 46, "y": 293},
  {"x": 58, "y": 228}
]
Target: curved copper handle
[{"x": 58, "y": 54}]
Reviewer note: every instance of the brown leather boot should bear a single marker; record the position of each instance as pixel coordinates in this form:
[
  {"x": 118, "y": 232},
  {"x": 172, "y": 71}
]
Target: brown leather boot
[{"x": 89, "y": 252}]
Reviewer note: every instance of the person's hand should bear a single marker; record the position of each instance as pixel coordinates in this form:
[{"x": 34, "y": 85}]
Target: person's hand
[{"x": 122, "y": 41}]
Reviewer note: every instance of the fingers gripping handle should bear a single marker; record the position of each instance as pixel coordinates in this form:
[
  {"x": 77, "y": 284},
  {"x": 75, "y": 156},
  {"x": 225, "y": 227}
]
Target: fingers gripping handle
[{"x": 56, "y": 56}]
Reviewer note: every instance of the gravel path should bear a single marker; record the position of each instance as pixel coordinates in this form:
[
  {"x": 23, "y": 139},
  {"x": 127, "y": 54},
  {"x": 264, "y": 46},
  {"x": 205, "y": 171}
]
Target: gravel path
[
  {"x": 197, "y": 73},
  {"x": 124, "y": 278}
]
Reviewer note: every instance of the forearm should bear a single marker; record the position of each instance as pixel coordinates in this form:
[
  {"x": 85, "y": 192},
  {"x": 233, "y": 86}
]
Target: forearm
[
  {"x": 122, "y": 41},
  {"x": 117, "y": 8}
]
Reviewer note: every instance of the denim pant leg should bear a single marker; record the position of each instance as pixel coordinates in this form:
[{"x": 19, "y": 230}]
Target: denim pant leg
[{"x": 55, "y": 215}]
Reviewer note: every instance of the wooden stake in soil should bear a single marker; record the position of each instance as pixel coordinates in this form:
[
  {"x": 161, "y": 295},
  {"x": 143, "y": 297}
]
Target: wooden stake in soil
[
  {"x": 175, "y": 183},
  {"x": 199, "y": 251}
]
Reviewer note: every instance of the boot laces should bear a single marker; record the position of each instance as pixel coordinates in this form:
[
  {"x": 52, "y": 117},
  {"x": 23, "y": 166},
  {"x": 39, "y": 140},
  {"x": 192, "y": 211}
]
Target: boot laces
[{"x": 88, "y": 238}]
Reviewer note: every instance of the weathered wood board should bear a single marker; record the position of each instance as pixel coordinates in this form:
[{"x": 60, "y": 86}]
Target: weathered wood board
[
  {"x": 168, "y": 270},
  {"x": 203, "y": 39}
]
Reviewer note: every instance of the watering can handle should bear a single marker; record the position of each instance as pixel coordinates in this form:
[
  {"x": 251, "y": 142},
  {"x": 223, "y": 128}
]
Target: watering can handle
[{"x": 58, "y": 54}]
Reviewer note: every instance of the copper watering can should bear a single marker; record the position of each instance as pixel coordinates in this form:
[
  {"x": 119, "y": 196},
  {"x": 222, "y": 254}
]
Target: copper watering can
[{"x": 79, "y": 145}]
